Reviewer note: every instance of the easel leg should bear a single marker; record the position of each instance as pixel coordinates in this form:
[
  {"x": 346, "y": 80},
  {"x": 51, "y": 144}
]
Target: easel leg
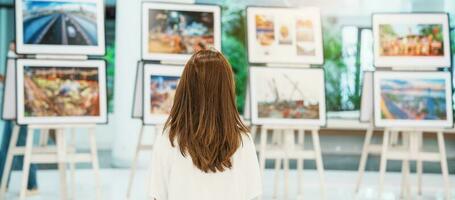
[
  {"x": 364, "y": 158},
  {"x": 319, "y": 164},
  {"x": 253, "y": 132},
  {"x": 61, "y": 153},
  {"x": 133, "y": 165},
  {"x": 262, "y": 150},
  {"x": 277, "y": 170},
  {"x": 383, "y": 162},
  {"x": 405, "y": 179},
  {"x": 286, "y": 177},
  {"x": 419, "y": 165},
  {"x": 95, "y": 164},
  {"x": 444, "y": 167},
  {"x": 26, "y": 167},
  {"x": 9, "y": 160},
  {"x": 73, "y": 164},
  {"x": 300, "y": 164}
]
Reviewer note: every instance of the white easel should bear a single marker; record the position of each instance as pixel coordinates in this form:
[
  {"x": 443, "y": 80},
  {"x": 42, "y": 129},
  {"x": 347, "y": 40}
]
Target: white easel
[
  {"x": 61, "y": 155},
  {"x": 412, "y": 143},
  {"x": 287, "y": 149},
  {"x": 139, "y": 148}
]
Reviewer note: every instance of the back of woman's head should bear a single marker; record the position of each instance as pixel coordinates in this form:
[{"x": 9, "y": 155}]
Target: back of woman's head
[{"x": 204, "y": 120}]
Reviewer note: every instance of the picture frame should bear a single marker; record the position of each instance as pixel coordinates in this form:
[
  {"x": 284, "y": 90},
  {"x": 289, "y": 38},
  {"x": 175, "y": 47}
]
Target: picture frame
[
  {"x": 84, "y": 33},
  {"x": 175, "y": 48},
  {"x": 61, "y": 91},
  {"x": 366, "y": 101},
  {"x": 285, "y": 35},
  {"x": 398, "y": 103},
  {"x": 294, "y": 103},
  {"x": 164, "y": 80},
  {"x": 411, "y": 40}
]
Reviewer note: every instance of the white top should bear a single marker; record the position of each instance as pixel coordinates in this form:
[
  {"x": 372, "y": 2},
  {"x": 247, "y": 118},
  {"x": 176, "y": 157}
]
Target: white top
[{"x": 174, "y": 177}]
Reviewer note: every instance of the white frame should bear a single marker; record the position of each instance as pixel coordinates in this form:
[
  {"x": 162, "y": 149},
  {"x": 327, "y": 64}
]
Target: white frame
[
  {"x": 155, "y": 70},
  {"x": 62, "y": 49},
  {"x": 101, "y": 65},
  {"x": 270, "y": 121},
  {"x": 177, "y": 7},
  {"x": 312, "y": 13},
  {"x": 412, "y": 61},
  {"x": 379, "y": 122}
]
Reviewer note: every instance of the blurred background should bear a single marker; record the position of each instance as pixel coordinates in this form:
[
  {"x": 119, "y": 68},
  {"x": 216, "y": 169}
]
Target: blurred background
[{"x": 347, "y": 51}]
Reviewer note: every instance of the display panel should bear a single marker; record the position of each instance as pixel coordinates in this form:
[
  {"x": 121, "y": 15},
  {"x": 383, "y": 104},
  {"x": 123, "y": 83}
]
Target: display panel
[
  {"x": 411, "y": 40},
  {"x": 366, "y": 103},
  {"x": 60, "y": 27},
  {"x": 284, "y": 35},
  {"x": 173, "y": 32},
  {"x": 413, "y": 99},
  {"x": 160, "y": 84},
  {"x": 9, "y": 91},
  {"x": 53, "y": 92},
  {"x": 284, "y": 96}
]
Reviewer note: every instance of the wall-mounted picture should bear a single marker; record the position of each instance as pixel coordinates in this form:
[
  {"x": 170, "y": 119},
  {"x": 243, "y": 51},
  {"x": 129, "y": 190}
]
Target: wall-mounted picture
[
  {"x": 411, "y": 40},
  {"x": 60, "y": 27},
  {"x": 173, "y": 32},
  {"x": 54, "y": 92},
  {"x": 284, "y": 35},
  {"x": 413, "y": 99},
  {"x": 160, "y": 84},
  {"x": 284, "y": 96}
]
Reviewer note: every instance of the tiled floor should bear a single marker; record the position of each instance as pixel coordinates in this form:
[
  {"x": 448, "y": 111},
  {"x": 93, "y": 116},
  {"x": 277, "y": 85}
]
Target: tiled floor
[{"x": 339, "y": 185}]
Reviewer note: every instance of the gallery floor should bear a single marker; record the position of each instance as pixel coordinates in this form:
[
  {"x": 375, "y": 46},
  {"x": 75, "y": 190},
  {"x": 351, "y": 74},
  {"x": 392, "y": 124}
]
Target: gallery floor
[{"x": 340, "y": 185}]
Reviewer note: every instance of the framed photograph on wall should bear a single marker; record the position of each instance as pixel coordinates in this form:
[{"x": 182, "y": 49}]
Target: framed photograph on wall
[
  {"x": 160, "y": 84},
  {"x": 57, "y": 91},
  {"x": 413, "y": 99},
  {"x": 60, "y": 27},
  {"x": 416, "y": 40},
  {"x": 284, "y": 35},
  {"x": 173, "y": 32},
  {"x": 287, "y": 96}
]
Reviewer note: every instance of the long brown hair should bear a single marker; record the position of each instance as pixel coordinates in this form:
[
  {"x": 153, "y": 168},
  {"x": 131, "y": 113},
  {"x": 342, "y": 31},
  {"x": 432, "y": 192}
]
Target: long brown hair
[{"x": 204, "y": 119}]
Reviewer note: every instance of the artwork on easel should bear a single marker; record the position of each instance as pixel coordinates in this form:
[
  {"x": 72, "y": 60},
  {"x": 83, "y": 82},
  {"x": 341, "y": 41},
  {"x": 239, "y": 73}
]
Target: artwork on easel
[
  {"x": 413, "y": 99},
  {"x": 173, "y": 32},
  {"x": 366, "y": 103},
  {"x": 159, "y": 87},
  {"x": 284, "y": 96},
  {"x": 9, "y": 91},
  {"x": 411, "y": 40},
  {"x": 55, "y": 92},
  {"x": 60, "y": 27},
  {"x": 284, "y": 35}
]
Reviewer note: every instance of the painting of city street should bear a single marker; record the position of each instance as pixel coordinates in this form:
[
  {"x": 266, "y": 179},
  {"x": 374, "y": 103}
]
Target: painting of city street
[
  {"x": 54, "y": 22},
  {"x": 411, "y": 40},
  {"x": 180, "y": 32},
  {"x": 287, "y": 94},
  {"x": 162, "y": 92},
  {"x": 61, "y": 91},
  {"x": 413, "y": 99}
]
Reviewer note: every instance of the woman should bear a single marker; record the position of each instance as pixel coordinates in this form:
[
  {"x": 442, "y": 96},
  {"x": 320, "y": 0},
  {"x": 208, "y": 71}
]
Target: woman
[{"x": 205, "y": 152}]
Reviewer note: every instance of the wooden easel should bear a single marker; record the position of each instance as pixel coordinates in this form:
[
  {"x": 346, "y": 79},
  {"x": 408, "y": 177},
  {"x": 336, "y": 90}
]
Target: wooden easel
[
  {"x": 285, "y": 149},
  {"x": 62, "y": 155},
  {"x": 412, "y": 150},
  {"x": 140, "y": 147}
]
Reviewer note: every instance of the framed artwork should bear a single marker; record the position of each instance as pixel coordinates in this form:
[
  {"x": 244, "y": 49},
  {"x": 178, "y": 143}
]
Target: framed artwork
[
  {"x": 57, "y": 91},
  {"x": 366, "y": 102},
  {"x": 160, "y": 84},
  {"x": 60, "y": 27},
  {"x": 173, "y": 32},
  {"x": 419, "y": 40},
  {"x": 284, "y": 35},
  {"x": 284, "y": 96},
  {"x": 413, "y": 99}
]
